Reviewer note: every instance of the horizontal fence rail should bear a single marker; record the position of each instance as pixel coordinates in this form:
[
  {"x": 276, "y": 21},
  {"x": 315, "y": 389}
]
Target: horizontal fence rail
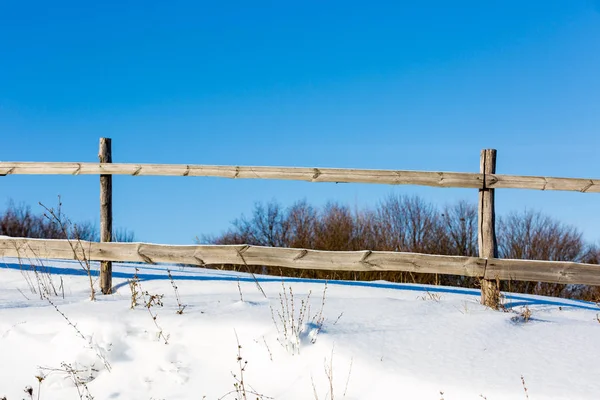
[
  {"x": 487, "y": 267},
  {"x": 206, "y": 255},
  {"x": 338, "y": 175}
]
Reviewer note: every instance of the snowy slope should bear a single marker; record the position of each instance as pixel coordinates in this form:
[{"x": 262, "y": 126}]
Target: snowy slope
[{"x": 378, "y": 341}]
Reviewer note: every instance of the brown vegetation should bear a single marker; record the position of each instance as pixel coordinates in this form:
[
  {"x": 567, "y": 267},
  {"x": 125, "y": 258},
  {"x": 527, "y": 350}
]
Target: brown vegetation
[
  {"x": 530, "y": 235},
  {"x": 410, "y": 224},
  {"x": 20, "y": 221},
  {"x": 398, "y": 223}
]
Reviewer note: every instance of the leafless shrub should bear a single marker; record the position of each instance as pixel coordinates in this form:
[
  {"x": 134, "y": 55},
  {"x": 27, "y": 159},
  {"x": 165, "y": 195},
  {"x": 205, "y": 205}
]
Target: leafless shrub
[
  {"x": 411, "y": 224},
  {"x": 335, "y": 228},
  {"x": 295, "y": 322},
  {"x": 532, "y": 235},
  {"x": 408, "y": 224},
  {"x": 155, "y": 300},
  {"x": 150, "y": 301},
  {"x": 301, "y": 220},
  {"x": 460, "y": 226},
  {"x": 79, "y": 376},
  {"x": 267, "y": 227},
  {"x": 20, "y": 221},
  {"x": 134, "y": 287},
  {"x": 241, "y": 389}
]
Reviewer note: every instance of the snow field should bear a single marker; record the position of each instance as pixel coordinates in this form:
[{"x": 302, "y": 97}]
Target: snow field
[{"x": 378, "y": 340}]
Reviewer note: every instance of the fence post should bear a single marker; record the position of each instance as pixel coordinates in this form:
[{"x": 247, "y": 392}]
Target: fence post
[
  {"x": 486, "y": 232},
  {"x": 105, "y": 156}
]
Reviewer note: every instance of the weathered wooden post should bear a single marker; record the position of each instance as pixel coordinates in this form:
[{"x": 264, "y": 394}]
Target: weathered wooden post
[
  {"x": 486, "y": 232},
  {"x": 105, "y": 156}
]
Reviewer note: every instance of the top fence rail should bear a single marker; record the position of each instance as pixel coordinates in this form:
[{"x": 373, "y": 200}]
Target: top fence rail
[{"x": 337, "y": 175}]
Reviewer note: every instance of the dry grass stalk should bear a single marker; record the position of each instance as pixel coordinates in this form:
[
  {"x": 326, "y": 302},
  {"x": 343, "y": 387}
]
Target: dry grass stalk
[
  {"x": 240, "y": 290},
  {"x": 134, "y": 287},
  {"x": 523, "y": 316},
  {"x": 292, "y": 323},
  {"x": 431, "y": 296},
  {"x": 348, "y": 378},
  {"x": 43, "y": 277},
  {"x": 329, "y": 374},
  {"x": 328, "y": 365},
  {"x": 76, "y": 376},
  {"x": 79, "y": 252},
  {"x": 81, "y": 335},
  {"x": 524, "y": 387},
  {"x": 180, "y": 306},
  {"x": 150, "y": 301},
  {"x": 155, "y": 300},
  {"x": 241, "y": 389},
  {"x": 268, "y": 348}
]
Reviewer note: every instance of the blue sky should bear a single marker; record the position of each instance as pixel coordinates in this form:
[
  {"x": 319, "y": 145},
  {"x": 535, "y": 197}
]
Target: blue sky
[{"x": 394, "y": 85}]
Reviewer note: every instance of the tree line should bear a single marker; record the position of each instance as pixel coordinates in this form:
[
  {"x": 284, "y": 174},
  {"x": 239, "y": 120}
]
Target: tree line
[
  {"x": 397, "y": 223},
  {"x": 21, "y": 221},
  {"x": 411, "y": 224}
]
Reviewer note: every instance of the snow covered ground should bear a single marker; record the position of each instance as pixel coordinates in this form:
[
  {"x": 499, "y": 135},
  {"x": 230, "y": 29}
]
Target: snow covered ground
[{"x": 378, "y": 340}]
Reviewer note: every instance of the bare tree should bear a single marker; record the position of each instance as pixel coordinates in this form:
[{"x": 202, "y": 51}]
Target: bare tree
[
  {"x": 335, "y": 228},
  {"x": 592, "y": 254},
  {"x": 20, "y": 221},
  {"x": 123, "y": 235},
  {"x": 366, "y": 230},
  {"x": 302, "y": 220},
  {"x": 532, "y": 235},
  {"x": 408, "y": 223},
  {"x": 460, "y": 225},
  {"x": 268, "y": 226}
]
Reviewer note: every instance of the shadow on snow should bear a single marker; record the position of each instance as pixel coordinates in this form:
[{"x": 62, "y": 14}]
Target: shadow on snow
[{"x": 513, "y": 300}]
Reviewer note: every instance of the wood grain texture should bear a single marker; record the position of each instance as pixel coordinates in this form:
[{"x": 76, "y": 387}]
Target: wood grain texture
[
  {"x": 202, "y": 255},
  {"x": 486, "y": 232},
  {"x": 341, "y": 175},
  {"x": 543, "y": 183},
  {"x": 543, "y": 271},
  {"x": 106, "y": 213}
]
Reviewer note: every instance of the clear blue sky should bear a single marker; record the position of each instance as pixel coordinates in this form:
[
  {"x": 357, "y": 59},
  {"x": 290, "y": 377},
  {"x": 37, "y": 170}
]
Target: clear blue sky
[{"x": 395, "y": 85}]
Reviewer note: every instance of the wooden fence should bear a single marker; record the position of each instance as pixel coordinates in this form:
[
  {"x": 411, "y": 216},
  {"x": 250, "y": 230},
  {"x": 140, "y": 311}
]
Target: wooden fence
[
  {"x": 487, "y": 266},
  {"x": 337, "y": 175}
]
